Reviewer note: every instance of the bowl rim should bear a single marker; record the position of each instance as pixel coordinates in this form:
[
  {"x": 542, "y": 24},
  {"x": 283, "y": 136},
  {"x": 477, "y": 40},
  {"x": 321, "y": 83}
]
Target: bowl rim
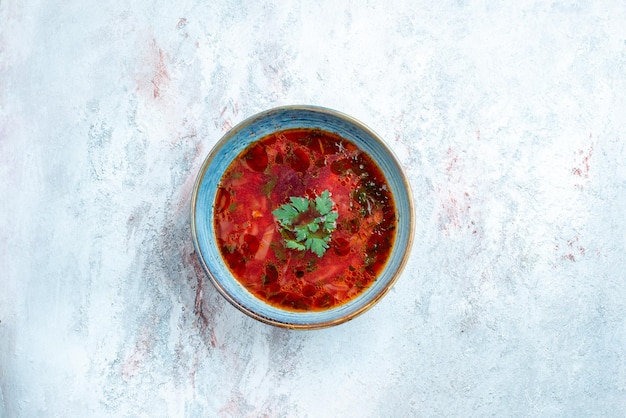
[{"x": 316, "y": 109}]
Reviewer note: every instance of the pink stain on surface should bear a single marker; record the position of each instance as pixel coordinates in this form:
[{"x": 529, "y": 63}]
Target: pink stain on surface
[
  {"x": 581, "y": 167},
  {"x": 225, "y": 118},
  {"x": 154, "y": 75},
  {"x": 161, "y": 75},
  {"x": 453, "y": 160},
  {"x": 455, "y": 213},
  {"x": 582, "y": 164},
  {"x": 135, "y": 361},
  {"x": 232, "y": 407},
  {"x": 571, "y": 250}
]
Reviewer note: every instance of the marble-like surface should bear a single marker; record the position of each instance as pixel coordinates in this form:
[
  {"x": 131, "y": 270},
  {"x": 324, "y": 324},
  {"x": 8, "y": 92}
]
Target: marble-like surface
[{"x": 509, "y": 118}]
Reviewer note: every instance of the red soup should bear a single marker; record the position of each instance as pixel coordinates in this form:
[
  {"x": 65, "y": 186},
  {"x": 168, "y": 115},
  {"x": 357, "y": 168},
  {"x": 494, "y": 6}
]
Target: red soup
[{"x": 305, "y": 220}]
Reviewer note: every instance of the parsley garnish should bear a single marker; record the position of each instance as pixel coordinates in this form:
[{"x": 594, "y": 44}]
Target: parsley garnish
[{"x": 306, "y": 224}]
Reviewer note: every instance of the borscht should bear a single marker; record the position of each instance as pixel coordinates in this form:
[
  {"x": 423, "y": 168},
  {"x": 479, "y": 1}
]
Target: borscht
[{"x": 304, "y": 219}]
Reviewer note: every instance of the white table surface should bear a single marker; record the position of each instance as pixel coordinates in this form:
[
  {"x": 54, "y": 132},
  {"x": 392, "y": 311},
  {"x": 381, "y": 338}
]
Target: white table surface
[{"x": 508, "y": 117}]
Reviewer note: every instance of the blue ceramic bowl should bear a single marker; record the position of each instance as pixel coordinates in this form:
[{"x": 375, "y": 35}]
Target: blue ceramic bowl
[{"x": 230, "y": 146}]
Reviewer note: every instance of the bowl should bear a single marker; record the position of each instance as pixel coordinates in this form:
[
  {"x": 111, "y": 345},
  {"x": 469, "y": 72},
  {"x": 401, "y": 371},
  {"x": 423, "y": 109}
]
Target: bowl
[{"x": 221, "y": 266}]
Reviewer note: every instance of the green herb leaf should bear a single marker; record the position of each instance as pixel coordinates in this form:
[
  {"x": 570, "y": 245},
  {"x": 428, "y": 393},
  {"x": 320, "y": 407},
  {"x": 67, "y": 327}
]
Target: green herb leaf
[
  {"x": 285, "y": 214},
  {"x": 317, "y": 245},
  {"x": 323, "y": 204},
  {"x": 307, "y": 224},
  {"x": 331, "y": 218},
  {"x": 301, "y": 232},
  {"x": 294, "y": 245},
  {"x": 301, "y": 204}
]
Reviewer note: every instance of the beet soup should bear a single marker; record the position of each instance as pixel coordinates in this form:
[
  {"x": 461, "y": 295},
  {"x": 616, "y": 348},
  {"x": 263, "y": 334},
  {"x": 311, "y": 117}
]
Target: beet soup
[{"x": 304, "y": 219}]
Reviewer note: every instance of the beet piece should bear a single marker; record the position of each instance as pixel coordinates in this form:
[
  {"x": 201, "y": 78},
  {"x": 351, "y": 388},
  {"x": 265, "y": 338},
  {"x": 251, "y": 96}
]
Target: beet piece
[
  {"x": 341, "y": 246},
  {"x": 299, "y": 160},
  {"x": 256, "y": 157},
  {"x": 222, "y": 200}
]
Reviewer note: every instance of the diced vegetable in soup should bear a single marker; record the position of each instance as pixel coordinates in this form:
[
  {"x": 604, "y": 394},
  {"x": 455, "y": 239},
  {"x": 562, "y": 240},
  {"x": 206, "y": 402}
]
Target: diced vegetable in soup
[{"x": 304, "y": 219}]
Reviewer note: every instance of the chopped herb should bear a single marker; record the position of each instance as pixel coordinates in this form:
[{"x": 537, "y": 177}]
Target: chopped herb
[
  {"x": 306, "y": 224},
  {"x": 310, "y": 266},
  {"x": 279, "y": 250},
  {"x": 269, "y": 186}
]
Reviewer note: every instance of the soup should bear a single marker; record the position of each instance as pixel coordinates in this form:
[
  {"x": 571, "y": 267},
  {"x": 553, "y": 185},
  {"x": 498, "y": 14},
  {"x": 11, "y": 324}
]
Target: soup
[{"x": 304, "y": 219}]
